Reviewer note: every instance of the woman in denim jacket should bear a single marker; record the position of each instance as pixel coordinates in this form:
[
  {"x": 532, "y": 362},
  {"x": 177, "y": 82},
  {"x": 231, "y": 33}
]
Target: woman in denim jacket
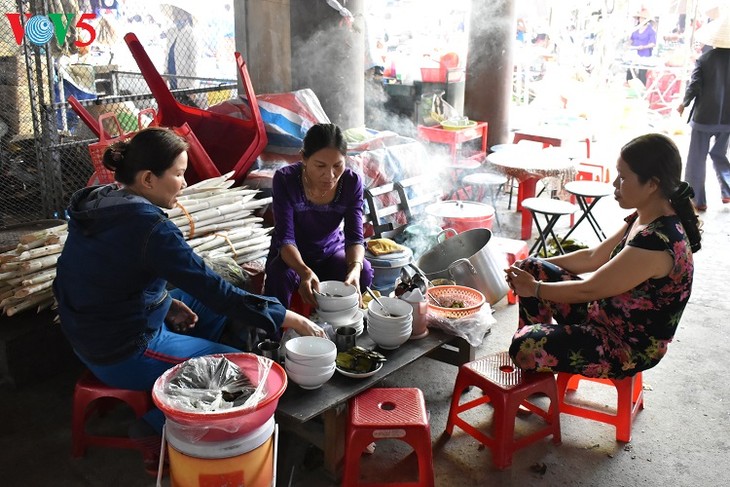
[{"x": 121, "y": 252}]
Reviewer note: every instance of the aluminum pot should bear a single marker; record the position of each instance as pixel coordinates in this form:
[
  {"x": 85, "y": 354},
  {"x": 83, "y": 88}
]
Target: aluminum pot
[{"x": 467, "y": 260}]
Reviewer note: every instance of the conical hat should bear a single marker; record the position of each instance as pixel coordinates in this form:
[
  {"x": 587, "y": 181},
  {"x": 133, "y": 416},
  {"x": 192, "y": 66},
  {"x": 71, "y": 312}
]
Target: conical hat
[{"x": 716, "y": 33}]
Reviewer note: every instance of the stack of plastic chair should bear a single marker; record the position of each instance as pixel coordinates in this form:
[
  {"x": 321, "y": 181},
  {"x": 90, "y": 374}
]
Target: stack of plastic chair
[{"x": 233, "y": 144}]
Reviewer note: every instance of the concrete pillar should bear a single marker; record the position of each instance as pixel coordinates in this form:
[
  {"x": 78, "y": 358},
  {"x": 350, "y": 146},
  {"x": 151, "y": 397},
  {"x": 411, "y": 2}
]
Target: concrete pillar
[
  {"x": 328, "y": 57},
  {"x": 489, "y": 66},
  {"x": 263, "y": 38}
]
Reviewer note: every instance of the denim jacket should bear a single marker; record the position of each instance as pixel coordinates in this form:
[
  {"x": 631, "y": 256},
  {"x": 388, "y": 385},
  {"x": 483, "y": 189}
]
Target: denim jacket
[{"x": 112, "y": 277}]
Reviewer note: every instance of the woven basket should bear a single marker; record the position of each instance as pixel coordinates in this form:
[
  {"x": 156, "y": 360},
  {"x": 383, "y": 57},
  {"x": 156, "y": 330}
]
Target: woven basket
[{"x": 473, "y": 300}]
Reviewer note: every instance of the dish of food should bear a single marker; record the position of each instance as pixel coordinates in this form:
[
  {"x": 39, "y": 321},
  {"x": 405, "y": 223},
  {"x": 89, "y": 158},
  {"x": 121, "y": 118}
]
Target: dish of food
[{"x": 359, "y": 375}]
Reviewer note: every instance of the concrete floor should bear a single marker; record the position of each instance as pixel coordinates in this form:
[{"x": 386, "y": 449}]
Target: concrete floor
[{"x": 681, "y": 438}]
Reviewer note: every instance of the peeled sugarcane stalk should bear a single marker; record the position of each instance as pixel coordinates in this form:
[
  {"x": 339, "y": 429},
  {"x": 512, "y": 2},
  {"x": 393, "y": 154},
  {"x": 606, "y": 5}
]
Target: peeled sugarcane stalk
[
  {"x": 10, "y": 274},
  {"x": 208, "y": 213},
  {"x": 34, "y": 288},
  {"x": 9, "y": 255},
  {"x": 242, "y": 259},
  {"x": 57, "y": 239},
  {"x": 40, "y": 263},
  {"x": 260, "y": 244},
  {"x": 30, "y": 237},
  {"x": 214, "y": 224},
  {"x": 214, "y": 202},
  {"x": 26, "y": 279},
  {"x": 29, "y": 302},
  {"x": 38, "y": 277},
  {"x": 6, "y": 293},
  {"x": 259, "y": 203},
  {"x": 40, "y": 242},
  {"x": 10, "y": 267},
  {"x": 216, "y": 227},
  {"x": 40, "y": 252}
]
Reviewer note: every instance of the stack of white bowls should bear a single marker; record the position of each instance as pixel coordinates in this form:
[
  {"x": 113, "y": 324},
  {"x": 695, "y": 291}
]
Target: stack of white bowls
[
  {"x": 390, "y": 332},
  {"x": 310, "y": 361},
  {"x": 337, "y": 304}
]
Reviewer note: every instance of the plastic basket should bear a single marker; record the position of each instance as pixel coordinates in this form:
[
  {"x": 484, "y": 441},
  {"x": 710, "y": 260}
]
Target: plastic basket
[{"x": 473, "y": 300}]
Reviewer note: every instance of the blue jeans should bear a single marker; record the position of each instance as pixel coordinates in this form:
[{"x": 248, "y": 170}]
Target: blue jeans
[
  {"x": 696, "y": 168},
  {"x": 165, "y": 350}
]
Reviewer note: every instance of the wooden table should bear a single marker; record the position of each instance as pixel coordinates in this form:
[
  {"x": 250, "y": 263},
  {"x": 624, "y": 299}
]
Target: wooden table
[
  {"x": 528, "y": 166},
  {"x": 298, "y": 407}
]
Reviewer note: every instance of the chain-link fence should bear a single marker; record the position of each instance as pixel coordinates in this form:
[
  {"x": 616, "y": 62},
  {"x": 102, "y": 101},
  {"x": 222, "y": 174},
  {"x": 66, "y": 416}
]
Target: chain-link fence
[{"x": 43, "y": 143}]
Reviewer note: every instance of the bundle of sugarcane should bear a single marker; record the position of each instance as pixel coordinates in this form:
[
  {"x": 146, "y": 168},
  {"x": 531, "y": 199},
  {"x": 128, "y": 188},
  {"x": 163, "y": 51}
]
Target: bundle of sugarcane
[
  {"x": 27, "y": 272},
  {"x": 218, "y": 220}
]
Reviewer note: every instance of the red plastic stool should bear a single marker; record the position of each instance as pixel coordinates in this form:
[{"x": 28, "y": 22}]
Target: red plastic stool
[
  {"x": 379, "y": 414},
  {"x": 630, "y": 399},
  {"x": 514, "y": 250},
  {"x": 506, "y": 387},
  {"x": 88, "y": 390}
]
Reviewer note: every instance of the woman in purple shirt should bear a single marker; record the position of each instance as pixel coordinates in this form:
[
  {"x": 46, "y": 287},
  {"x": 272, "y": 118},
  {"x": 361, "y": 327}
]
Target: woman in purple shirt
[{"x": 311, "y": 200}]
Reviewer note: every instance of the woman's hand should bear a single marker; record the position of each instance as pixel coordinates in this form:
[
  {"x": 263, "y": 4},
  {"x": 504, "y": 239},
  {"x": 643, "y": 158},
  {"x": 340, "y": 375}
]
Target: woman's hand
[
  {"x": 307, "y": 285},
  {"x": 302, "y": 325},
  {"x": 353, "y": 279},
  {"x": 179, "y": 317},
  {"x": 521, "y": 282}
]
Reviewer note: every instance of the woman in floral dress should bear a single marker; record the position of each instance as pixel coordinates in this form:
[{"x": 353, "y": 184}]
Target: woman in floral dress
[{"x": 619, "y": 319}]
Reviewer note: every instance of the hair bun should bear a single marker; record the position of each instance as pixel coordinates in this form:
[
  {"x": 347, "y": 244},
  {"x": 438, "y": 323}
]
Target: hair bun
[{"x": 684, "y": 191}]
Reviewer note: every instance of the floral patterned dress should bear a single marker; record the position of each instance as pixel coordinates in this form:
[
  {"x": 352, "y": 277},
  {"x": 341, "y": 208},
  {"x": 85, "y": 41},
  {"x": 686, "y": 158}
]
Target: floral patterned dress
[{"x": 614, "y": 337}]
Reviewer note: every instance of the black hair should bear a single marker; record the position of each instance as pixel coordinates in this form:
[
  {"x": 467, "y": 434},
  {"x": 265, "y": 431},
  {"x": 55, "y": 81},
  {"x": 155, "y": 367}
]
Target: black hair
[
  {"x": 151, "y": 149},
  {"x": 655, "y": 156},
  {"x": 323, "y": 136}
]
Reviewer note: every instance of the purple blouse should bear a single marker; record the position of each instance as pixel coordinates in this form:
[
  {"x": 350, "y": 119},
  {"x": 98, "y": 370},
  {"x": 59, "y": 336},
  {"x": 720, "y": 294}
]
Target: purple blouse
[{"x": 316, "y": 229}]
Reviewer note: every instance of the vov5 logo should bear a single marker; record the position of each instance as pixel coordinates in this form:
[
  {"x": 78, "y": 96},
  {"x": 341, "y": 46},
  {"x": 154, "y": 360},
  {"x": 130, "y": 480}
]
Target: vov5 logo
[{"x": 39, "y": 29}]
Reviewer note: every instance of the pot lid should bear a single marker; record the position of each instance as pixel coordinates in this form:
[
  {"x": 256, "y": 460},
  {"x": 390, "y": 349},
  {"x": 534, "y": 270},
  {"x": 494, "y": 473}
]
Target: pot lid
[{"x": 459, "y": 209}]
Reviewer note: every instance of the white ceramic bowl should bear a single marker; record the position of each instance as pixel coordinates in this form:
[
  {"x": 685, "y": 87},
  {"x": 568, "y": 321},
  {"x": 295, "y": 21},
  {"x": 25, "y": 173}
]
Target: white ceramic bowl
[
  {"x": 345, "y": 296},
  {"x": 389, "y": 342},
  {"x": 310, "y": 381},
  {"x": 400, "y": 310},
  {"x": 306, "y": 369},
  {"x": 309, "y": 350},
  {"x": 390, "y": 329},
  {"x": 340, "y": 317},
  {"x": 379, "y": 320}
]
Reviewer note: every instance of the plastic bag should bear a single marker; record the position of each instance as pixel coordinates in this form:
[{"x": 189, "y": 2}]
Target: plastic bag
[
  {"x": 214, "y": 383},
  {"x": 471, "y": 328}
]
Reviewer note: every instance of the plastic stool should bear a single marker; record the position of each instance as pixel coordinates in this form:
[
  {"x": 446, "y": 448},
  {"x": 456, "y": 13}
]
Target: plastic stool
[
  {"x": 630, "y": 399},
  {"x": 90, "y": 389},
  {"x": 514, "y": 250},
  {"x": 506, "y": 387},
  {"x": 379, "y": 414}
]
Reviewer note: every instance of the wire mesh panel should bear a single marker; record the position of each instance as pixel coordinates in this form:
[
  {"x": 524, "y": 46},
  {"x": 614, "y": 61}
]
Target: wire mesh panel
[{"x": 44, "y": 154}]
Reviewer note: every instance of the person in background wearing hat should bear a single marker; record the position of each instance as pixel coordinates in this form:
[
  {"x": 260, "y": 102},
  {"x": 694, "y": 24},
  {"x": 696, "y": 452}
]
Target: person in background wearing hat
[
  {"x": 709, "y": 88},
  {"x": 643, "y": 41}
]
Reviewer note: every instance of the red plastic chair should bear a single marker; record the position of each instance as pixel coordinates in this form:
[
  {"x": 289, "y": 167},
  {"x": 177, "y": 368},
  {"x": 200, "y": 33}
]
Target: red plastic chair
[
  {"x": 233, "y": 144},
  {"x": 507, "y": 388},
  {"x": 379, "y": 414},
  {"x": 89, "y": 395},
  {"x": 630, "y": 399}
]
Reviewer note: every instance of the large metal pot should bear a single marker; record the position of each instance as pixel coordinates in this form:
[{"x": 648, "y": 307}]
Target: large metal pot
[{"x": 468, "y": 261}]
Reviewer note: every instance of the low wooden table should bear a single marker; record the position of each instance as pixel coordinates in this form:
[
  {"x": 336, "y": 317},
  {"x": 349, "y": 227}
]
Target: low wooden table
[{"x": 298, "y": 407}]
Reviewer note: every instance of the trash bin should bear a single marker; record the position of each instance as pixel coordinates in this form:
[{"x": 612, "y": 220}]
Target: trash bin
[{"x": 217, "y": 443}]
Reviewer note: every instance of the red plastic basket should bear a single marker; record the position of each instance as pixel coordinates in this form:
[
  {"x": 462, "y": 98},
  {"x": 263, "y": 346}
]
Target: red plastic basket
[{"x": 473, "y": 300}]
